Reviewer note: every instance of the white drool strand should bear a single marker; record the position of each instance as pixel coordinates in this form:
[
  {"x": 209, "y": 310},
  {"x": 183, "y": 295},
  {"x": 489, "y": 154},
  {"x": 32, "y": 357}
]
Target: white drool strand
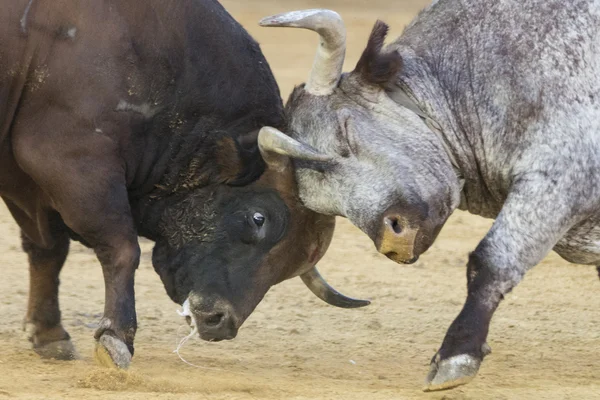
[{"x": 194, "y": 331}]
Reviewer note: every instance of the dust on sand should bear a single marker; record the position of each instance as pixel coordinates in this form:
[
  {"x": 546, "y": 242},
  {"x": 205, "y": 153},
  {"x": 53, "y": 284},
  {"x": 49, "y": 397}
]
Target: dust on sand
[{"x": 545, "y": 337}]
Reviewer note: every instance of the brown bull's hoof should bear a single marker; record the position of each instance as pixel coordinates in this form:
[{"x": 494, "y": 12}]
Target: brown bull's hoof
[
  {"x": 452, "y": 372},
  {"x": 52, "y": 343},
  {"x": 59, "y": 350},
  {"x": 112, "y": 353}
]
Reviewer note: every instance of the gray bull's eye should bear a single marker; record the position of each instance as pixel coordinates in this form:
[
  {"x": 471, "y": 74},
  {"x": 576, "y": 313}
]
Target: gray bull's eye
[{"x": 258, "y": 219}]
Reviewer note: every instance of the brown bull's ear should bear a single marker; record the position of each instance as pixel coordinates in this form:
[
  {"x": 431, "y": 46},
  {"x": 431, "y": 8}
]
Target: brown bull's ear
[
  {"x": 277, "y": 149},
  {"x": 248, "y": 140},
  {"x": 236, "y": 159},
  {"x": 374, "y": 66}
]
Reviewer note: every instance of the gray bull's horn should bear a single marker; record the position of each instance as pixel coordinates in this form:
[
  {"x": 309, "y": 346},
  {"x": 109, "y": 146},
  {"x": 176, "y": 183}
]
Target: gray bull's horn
[
  {"x": 329, "y": 295},
  {"x": 327, "y": 67},
  {"x": 273, "y": 140}
]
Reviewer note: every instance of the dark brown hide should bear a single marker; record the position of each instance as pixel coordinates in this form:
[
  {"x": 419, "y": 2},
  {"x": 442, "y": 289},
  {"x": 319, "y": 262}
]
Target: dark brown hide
[{"x": 112, "y": 112}]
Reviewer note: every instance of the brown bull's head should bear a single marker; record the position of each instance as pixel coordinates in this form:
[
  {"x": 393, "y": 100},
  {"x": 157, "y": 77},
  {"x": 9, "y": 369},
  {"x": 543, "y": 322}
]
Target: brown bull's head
[{"x": 222, "y": 247}]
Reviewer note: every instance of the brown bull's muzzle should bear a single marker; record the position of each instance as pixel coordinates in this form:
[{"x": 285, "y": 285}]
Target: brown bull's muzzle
[
  {"x": 397, "y": 240},
  {"x": 214, "y": 319}
]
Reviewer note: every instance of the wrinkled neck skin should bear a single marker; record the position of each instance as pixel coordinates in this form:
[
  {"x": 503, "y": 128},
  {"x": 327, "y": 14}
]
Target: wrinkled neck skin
[
  {"x": 147, "y": 212},
  {"x": 455, "y": 113}
]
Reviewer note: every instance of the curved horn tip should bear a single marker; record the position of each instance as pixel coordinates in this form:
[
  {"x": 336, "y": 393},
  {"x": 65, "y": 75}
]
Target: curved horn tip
[
  {"x": 320, "y": 288},
  {"x": 290, "y": 17},
  {"x": 329, "y": 60}
]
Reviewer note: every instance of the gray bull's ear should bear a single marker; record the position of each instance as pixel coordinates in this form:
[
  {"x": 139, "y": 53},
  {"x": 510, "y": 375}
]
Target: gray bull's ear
[
  {"x": 319, "y": 286},
  {"x": 277, "y": 149}
]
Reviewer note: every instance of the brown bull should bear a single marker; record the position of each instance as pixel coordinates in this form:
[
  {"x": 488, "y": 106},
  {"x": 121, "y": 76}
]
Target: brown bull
[{"x": 121, "y": 119}]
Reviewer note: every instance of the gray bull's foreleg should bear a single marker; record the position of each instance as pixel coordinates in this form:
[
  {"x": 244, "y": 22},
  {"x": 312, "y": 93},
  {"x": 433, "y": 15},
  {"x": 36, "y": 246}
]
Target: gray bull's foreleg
[{"x": 531, "y": 222}]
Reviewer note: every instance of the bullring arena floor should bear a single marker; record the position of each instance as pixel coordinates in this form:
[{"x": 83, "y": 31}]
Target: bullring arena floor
[{"x": 545, "y": 336}]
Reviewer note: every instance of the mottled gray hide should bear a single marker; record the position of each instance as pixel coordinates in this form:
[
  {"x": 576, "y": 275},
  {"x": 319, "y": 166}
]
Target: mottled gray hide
[{"x": 507, "y": 91}]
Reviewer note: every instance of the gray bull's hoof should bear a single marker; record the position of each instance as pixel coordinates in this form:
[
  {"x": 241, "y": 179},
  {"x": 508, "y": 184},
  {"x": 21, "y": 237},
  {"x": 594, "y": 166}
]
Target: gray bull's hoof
[
  {"x": 111, "y": 352},
  {"x": 454, "y": 371},
  {"x": 59, "y": 350}
]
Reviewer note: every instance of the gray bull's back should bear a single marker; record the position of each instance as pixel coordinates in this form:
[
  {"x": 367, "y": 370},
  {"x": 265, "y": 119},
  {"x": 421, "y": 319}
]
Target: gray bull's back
[
  {"x": 500, "y": 70},
  {"x": 510, "y": 52}
]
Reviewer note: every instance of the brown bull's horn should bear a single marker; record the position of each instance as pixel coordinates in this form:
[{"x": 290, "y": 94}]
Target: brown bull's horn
[
  {"x": 273, "y": 140},
  {"x": 327, "y": 67},
  {"x": 329, "y": 295}
]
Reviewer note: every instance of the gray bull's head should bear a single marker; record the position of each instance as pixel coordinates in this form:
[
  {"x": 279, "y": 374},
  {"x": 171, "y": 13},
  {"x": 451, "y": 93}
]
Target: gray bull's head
[{"x": 383, "y": 168}]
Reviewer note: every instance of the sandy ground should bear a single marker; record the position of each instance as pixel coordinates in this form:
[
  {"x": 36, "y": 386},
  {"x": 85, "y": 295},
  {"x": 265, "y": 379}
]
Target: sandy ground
[{"x": 545, "y": 336}]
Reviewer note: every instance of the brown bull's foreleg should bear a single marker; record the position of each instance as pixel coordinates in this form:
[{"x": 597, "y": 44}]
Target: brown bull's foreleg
[
  {"x": 43, "y": 321},
  {"x": 85, "y": 178},
  {"x": 119, "y": 263},
  {"x": 598, "y": 269},
  {"x": 112, "y": 234}
]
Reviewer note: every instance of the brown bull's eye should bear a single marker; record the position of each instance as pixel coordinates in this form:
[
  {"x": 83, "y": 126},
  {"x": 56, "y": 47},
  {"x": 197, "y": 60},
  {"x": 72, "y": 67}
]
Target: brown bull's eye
[{"x": 258, "y": 219}]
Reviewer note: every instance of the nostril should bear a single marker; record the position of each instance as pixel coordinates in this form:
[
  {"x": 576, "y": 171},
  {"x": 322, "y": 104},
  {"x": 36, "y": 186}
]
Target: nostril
[
  {"x": 214, "y": 319},
  {"x": 394, "y": 224}
]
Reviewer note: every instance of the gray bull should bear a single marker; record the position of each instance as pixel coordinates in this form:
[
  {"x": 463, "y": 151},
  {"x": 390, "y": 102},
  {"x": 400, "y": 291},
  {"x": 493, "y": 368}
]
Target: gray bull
[{"x": 490, "y": 106}]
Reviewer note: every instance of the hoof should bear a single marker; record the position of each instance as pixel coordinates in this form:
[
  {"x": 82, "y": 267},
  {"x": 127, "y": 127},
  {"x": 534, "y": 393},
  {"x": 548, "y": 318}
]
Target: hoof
[
  {"x": 52, "y": 344},
  {"x": 59, "y": 350},
  {"x": 452, "y": 372},
  {"x": 112, "y": 353}
]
